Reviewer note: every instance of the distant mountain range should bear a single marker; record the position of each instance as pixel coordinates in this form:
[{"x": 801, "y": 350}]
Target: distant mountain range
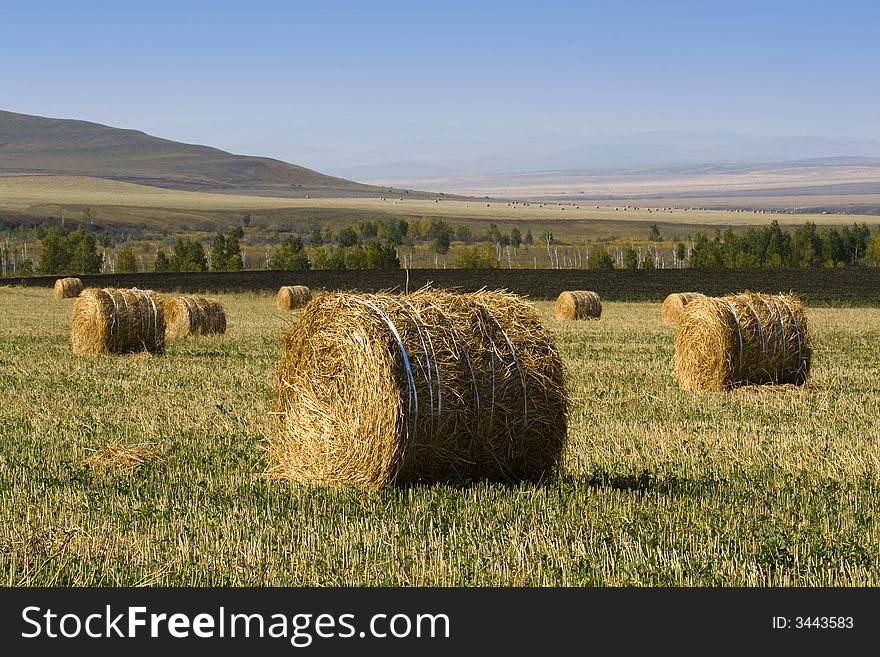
[
  {"x": 456, "y": 160},
  {"x": 367, "y": 149},
  {"x": 34, "y": 144},
  {"x": 529, "y": 152}
]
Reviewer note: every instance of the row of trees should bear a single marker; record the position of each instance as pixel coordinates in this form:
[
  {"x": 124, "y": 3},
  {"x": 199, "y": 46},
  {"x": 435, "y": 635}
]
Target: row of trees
[
  {"x": 189, "y": 255},
  {"x": 372, "y": 255},
  {"x": 66, "y": 252},
  {"x": 376, "y": 244},
  {"x": 436, "y": 233},
  {"x": 772, "y": 247}
]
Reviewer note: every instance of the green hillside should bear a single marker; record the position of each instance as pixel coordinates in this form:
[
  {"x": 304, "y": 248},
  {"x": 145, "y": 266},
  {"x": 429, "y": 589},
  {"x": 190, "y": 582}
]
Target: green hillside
[{"x": 33, "y": 144}]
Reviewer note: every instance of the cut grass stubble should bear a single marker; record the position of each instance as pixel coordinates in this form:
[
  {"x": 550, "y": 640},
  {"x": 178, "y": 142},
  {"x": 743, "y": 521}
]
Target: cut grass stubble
[{"x": 659, "y": 486}]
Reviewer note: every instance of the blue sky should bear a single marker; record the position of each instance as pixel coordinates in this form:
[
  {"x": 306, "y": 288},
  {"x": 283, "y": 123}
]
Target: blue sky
[{"x": 231, "y": 73}]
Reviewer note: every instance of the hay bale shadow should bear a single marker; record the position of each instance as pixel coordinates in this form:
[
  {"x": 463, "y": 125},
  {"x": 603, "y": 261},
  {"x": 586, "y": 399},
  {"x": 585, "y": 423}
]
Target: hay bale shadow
[{"x": 646, "y": 482}]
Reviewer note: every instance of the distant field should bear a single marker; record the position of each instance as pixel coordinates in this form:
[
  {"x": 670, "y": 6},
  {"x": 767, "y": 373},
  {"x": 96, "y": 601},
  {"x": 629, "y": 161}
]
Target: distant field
[
  {"x": 38, "y": 196},
  {"x": 659, "y": 487},
  {"x": 804, "y": 184}
]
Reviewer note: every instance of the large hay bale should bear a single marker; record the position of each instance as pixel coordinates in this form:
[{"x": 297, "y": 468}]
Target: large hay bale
[
  {"x": 116, "y": 321},
  {"x": 193, "y": 316},
  {"x": 578, "y": 304},
  {"x": 742, "y": 339},
  {"x": 382, "y": 389},
  {"x": 291, "y": 297},
  {"x": 670, "y": 311},
  {"x": 67, "y": 288}
]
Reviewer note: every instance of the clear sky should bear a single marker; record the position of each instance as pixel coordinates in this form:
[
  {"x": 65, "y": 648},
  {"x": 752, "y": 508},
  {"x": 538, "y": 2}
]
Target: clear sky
[{"x": 201, "y": 71}]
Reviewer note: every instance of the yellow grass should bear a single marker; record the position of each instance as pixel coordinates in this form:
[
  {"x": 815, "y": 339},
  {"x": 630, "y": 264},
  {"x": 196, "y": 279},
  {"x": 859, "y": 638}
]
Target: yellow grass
[
  {"x": 42, "y": 196},
  {"x": 659, "y": 486}
]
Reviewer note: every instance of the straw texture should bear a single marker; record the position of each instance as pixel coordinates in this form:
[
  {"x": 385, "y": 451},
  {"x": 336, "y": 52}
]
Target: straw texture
[
  {"x": 382, "y": 389},
  {"x": 291, "y": 297},
  {"x": 193, "y": 315},
  {"x": 67, "y": 288},
  {"x": 742, "y": 339},
  {"x": 578, "y": 304},
  {"x": 670, "y": 311},
  {"x": 115, "y": 321}
]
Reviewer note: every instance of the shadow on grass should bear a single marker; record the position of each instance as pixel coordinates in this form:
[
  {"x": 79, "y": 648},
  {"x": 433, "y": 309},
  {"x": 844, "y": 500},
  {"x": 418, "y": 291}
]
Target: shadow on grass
[
  {"x": 642, "y": 483},
  {"x": 461, "y": 485},
  {"x": 645, "y": 482},
  {"x": 564, "y": 484}
]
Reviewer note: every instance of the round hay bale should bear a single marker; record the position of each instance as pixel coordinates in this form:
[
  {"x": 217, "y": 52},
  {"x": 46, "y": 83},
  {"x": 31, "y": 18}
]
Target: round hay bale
[
  {"x": 578, "y": 304},
  {"x": 670, "y": 311},
  {"x": 742, "y": 339},
  {"x": 67, "y": 288},
  {"x": 193, "y": 316},
  {"x": 374, "y": 390},
  {"x": 291, "y": 297},
  {"x": 116, "y": 321}
]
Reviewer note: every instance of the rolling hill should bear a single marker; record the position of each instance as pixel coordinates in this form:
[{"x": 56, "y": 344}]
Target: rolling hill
[{"x": 34, "y": 144}]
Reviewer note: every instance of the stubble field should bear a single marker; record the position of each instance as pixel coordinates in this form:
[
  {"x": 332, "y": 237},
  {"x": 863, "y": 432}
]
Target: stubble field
[
  {"x": 140, "y": 470},
  {"x": 121, "y": 204}
]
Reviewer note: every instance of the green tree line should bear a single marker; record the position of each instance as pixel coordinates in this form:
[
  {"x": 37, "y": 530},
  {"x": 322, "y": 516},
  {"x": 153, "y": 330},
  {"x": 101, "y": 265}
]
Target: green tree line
[
  {"x": 375, "y": 245},
  {"x": 773, "y": 247}
]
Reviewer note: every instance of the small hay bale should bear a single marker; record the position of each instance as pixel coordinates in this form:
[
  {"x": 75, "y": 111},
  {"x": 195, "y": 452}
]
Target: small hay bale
[
  {"x": 186, "y": 316},
  {"x": 578, "y": 304},
  {"x": 747, "y": 338},
  {"x": 291, "y": 297},
  {"x": 117, "y": 321},
  {"x": 670, "y": 311},
  {"x": 381, "y": 389},
  {"x": 120, "y": 458},
  {"x": 67, "y": 288}
]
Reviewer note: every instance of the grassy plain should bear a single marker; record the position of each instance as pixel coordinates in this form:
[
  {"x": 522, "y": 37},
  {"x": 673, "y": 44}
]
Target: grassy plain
[
  {"x": 40, "y": 196},
  {"x": 151, "y": 217},
  {"x": 659, "y": 486}
]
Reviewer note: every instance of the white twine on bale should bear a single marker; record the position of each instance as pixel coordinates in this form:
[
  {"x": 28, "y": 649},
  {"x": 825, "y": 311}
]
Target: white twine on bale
[
  {"x": 773, "y": 321},
  {"x": 781, "y": 323},
  {"x": 413, "y": 393},
  {"x": 760, "y": 328},
  {"x": 803, "y": 361},
  {"x": 155, "y": 326},
  {"x": 738, "y": 330},
  {"x": 418, "y": 328},
  {"x": 492, "y": 361},
  {"x": 189, "y": 312},
  {"x": 141, "y": 318},
  {"x": 114, "y": 320},
  {"x": 155, "y": 313},
  {"x": 437, "y": 373},
  {"x": 518, "y": 367},
  {"x": 127, "y": 311},
  {"x": 428, "y": 361},
  {"x": 149, "y": 298},
  {"x": 458, "y": 339},
  {"x": 432, "y": 366}
]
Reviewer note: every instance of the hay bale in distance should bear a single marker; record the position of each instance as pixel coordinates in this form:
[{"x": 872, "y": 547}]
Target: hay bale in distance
[
  {"x": 116, "y": 321},
  {"x": 380, "y": 389},
  {"x": 578, "y": 304},
  {"x": 742, "y": 339},
  {"x": 67, "y": 288},
  {"x": 670, "y": 311},
  {"x": 193, "y": 316},
  {"x": 291, "y": 297}
]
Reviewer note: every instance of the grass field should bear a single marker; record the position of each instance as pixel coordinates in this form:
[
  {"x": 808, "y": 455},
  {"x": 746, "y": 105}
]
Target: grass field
[
  {"x": 149, "y": 218},
  {"x": 659, "y": 487},
  {"x": 120, "y": 203}
]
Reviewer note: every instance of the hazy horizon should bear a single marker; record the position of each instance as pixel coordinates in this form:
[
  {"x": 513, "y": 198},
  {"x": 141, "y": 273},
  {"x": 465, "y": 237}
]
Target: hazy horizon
[{"x": 336, "y": 88}]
